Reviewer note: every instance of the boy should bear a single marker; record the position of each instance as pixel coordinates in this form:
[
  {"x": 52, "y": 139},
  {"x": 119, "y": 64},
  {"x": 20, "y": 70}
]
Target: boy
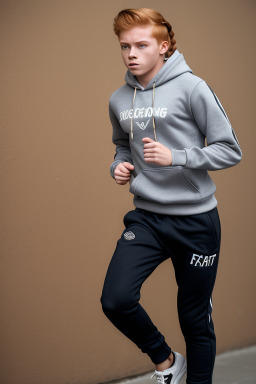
[{"x": 161, "y": 118}]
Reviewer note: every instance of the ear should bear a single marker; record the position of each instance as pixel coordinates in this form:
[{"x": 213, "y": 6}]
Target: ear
[{"x": 164, "y": 47}]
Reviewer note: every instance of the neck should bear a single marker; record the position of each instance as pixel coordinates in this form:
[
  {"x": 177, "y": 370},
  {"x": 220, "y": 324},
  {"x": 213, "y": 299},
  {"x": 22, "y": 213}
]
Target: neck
[{"x": 145, "y": 79}]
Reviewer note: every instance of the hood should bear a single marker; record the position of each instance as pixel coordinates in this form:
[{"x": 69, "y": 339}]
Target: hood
[{"x": 174, "y": 66}]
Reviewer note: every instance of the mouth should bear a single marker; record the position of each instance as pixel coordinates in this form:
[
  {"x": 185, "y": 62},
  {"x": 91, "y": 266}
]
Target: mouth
[{"x": 131, "y": 65}]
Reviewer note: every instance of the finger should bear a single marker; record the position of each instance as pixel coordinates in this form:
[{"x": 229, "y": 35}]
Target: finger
[
  {"x": 119, "y": 172},
  {"x": 149, "y": 157},
  {"x": 123, "y": 169},
  {"x": 122, "y": 178},
  {"x": 122, "y": 175},
  {"x": 149, "y": 150},
  {"x": 128, "y": 165},
  {"x": 149, "y": 145},
  {"x": 147, "y": 140}
]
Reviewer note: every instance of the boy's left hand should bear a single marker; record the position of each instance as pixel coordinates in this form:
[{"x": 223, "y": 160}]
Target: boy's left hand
[{"x": 155, "y": 152}]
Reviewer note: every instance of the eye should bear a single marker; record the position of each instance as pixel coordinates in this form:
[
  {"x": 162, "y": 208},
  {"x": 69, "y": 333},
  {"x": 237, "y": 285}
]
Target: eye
[
  {"x": 123, "y": 46},
  {"x": 142, "y": 45}
]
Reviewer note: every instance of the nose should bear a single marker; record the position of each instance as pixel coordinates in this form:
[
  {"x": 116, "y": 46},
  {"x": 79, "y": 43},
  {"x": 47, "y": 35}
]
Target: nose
[{"x": 132, "y": 53}]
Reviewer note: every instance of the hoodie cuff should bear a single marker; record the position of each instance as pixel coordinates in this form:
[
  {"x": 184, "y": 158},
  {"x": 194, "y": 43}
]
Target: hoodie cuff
[
  {"x": 113, "y": 167},
  {"x": 179, "y": 157}
]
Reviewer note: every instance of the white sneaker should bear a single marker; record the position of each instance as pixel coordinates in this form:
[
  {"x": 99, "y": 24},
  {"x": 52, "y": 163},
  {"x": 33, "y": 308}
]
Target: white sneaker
[{"x": 174, "y": 374}]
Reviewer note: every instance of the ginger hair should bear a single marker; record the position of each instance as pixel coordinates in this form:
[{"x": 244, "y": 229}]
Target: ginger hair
[{"x": 161, "y": 28}]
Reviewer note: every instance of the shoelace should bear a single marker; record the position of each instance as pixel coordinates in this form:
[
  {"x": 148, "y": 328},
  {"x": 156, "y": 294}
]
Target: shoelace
[{"x": 160, "y": 379}]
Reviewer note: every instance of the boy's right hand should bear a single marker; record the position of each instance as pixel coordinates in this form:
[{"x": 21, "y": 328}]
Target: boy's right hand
[{"x": 122, "y": 172}]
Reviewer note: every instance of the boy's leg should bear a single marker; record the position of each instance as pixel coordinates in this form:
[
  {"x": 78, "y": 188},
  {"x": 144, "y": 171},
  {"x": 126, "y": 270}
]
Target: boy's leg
[
  {"x": 195, "y": 263},
  {"x": 138, "y": 252}
]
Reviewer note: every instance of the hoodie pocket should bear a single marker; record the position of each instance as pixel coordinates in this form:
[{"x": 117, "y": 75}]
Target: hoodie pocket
[{"x": 165, "y": 185}]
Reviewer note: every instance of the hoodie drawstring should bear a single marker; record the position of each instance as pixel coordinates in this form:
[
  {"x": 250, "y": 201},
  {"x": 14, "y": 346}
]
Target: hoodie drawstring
[
  {"x": 133, "y": 112},
  {"x": 153, "y": 100}
]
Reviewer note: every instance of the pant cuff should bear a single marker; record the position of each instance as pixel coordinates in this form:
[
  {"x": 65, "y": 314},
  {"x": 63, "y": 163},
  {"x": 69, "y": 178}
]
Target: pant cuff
[{"x": 160, "y": 354}]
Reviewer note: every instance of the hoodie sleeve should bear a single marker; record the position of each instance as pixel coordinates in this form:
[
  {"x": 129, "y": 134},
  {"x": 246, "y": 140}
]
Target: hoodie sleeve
[
  {"x": 121, "y": 140},
  {"x": 223, "y": 149}
]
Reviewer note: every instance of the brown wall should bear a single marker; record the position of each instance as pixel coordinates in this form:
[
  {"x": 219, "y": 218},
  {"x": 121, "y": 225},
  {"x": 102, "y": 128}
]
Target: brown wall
[{"x": 61, "y": 212}]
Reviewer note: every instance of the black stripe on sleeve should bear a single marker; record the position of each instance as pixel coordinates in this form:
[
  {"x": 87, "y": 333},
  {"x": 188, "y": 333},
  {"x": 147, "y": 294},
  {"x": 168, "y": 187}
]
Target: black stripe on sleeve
[{"x": 222, "y": 110}]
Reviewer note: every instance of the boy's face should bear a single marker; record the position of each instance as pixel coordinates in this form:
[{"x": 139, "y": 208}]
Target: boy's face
[{"x": 138, "y": 46}]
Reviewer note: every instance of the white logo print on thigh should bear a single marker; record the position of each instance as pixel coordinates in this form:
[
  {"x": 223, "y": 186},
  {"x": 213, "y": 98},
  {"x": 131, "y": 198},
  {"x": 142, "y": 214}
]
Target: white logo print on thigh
[
  {"x": 202, "y": 261},
  {"x": 129, "y": 235}
]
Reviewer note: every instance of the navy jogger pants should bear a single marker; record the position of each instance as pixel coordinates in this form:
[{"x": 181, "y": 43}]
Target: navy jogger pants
[{"x": 193, "y": 244}]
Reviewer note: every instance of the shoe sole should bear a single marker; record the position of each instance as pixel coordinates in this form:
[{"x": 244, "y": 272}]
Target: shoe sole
[{"x": 182, "y": 372}]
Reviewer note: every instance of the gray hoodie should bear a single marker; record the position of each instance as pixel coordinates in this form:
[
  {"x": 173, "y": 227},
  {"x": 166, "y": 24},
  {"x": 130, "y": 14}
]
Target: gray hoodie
[{"x": 179, "y": 110}]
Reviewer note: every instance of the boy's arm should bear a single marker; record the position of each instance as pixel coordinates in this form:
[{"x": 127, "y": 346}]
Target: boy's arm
[
  {"x": 223, "y": 149},
  {"x": 121, "y": 140}
]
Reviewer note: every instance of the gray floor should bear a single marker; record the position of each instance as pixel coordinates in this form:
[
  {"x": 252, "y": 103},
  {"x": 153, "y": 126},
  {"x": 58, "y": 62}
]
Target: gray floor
[{"x": 235, "y": 367}]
